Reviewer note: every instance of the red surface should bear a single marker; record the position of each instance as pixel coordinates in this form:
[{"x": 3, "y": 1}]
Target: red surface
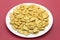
[{"x": 52, "y": 5}]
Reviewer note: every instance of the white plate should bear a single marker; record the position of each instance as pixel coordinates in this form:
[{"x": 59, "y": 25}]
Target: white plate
[{"x": 31, "y": 35}]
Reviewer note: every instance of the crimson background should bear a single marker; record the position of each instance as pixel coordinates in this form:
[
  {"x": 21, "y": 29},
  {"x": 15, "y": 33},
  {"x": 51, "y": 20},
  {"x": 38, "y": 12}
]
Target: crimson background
[{"x": 52, "y": 5}]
